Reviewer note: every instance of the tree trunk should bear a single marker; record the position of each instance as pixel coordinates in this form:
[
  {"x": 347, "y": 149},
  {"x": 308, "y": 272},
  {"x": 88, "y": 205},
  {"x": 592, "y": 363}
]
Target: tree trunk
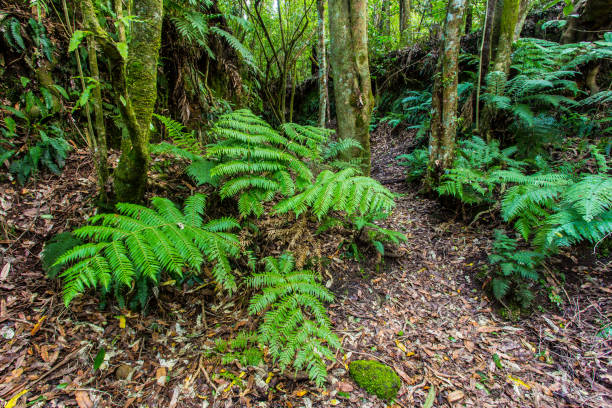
[
  {"x": 485, "y": 53},
  {"x": 386, "y": 17},
  {"x": 322, "y": 60},
  {"x": 508, "y": 22},
  {"x": 100, "y": 149},
  {"x": 351, "y": 72},
  {"x": 524, "y": 8},
  {"x": 405, "y": 29},
  {"x": 444, "y": 97},
  {"x": 134, "y": 81},
  {"x": 469, "y": 18}
]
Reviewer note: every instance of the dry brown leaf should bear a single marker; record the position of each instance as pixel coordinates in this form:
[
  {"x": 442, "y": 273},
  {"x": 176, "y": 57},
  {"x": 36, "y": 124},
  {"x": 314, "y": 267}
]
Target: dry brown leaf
[
  {"x": 455, "y": 396},
  {"x": 82, "y": 398},
  {"x": 345, "y": 386}
]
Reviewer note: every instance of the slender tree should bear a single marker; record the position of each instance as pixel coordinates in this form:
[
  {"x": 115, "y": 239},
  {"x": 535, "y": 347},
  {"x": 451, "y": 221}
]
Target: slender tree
[
  {"x": 322, "y": 62},
  {"x": 133, "y": 60},
  {"x": 444, "y": 96},
  {"x": 351, "y": 72},
  {"x": 485, "y": 54},
  {"x": 405, "y": 29}
]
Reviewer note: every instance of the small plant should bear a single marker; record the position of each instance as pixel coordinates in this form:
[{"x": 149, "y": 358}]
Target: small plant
[
  {"x": 130, "y": 250},
  {"x": 416, "y": 162},
  {"x": 511, "y": 271},
  {"x": 243, "y": 348},
  {"x": 375, "y": 234},
  {"x": 296, "y": 327}
]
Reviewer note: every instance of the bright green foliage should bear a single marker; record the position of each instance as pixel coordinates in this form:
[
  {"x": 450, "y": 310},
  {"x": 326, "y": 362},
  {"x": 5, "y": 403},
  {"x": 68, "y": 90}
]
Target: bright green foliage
[
  {"x": 377, "y": 235},
  {"x": 243, "y": 348},
  {"x": 193, "y": 21},
  {"x": 345, "y": 191},
  {"x": 470, "y": 178},
  {"x": 296, "y": 327},
  {"x": 376, "y": 378},
  {"x": 558, "y": 210},
  {"x": 136, "y": 245},
  {"x": 511, "y": 270},
  {"x": 179, "y": 135}
]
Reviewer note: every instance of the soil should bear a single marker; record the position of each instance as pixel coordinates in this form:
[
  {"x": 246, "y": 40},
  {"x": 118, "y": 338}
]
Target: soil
[{"x": 422, "y": 312}]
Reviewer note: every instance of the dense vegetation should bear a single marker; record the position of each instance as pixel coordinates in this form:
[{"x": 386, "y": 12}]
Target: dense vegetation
[{"x": 266, "y": 115}]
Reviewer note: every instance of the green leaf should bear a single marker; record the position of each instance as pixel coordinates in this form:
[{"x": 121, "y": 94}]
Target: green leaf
[
  {"x": 24, "y": 81},
  {"x": 99, "y": 359},
  {"x": 122, "y": 47},
  {"x": 431, "y": 397},
  {"x": 76, "y": 39},
  {"x": 497, "y": 361}
]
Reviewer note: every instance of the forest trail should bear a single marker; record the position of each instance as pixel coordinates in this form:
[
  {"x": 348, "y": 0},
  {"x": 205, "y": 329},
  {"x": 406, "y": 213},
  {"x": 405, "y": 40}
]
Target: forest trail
[
  {"x": 425, "y": 315},
  {"x": 422, "y": 313}
]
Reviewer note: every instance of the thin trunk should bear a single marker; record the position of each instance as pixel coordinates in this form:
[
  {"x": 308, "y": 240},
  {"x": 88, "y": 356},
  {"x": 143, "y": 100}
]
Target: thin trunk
[
  {"x": 101, "y": 150},
  {"x": 386, "y": 17},
  {"x": 524, "y": 8},
  {"x": 322, "y": 60},
  {"x": 469, "y": 17},
  {"x": 485, "y": 54},
  {"x": 405, "y": 29},
  {"x": 351, "y": 72},
  {"x": 444, "y": 97}
]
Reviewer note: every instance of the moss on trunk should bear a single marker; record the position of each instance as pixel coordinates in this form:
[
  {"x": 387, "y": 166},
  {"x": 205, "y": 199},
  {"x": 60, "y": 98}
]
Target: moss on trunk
[{"x": 351, "y": 73}]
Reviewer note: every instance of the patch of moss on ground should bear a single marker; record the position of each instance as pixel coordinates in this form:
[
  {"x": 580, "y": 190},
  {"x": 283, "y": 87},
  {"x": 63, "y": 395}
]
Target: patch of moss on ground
[{"x": 376, "y": 378}]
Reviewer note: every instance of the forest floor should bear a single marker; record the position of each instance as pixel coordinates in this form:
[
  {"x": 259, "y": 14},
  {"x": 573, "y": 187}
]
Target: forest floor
[{"x": 423, "y": 313}]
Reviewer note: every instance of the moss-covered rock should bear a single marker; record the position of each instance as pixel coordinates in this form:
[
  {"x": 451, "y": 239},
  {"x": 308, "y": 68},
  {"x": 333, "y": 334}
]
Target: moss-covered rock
[{"x": 376, "y": 378}]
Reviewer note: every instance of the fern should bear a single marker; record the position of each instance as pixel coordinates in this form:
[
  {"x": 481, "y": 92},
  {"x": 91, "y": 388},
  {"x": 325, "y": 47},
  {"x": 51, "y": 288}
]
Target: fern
[
  {"x": 139, "y": 243},
  {"x": 344, "y": 191},
  {"x": 296, "y": 327},
  {"x": 512, "y": 270},
  {"x": 180, "y": 137}
]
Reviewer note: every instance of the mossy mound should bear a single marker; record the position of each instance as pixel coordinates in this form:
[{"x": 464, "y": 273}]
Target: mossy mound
[{"x": 376, "y": 378}]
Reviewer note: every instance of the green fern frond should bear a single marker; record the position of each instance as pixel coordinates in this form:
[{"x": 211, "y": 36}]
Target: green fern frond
[{"x": 139, "y": 243}]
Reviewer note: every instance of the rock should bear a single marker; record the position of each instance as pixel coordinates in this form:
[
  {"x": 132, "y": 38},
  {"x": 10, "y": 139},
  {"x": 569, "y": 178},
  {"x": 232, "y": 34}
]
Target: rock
[
  {"x": 123, "y": 371},
  {"x": 376, "y": 378}
]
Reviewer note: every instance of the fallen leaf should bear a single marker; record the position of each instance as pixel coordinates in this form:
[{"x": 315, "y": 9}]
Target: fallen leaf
[
  {"x": 5, "y": 271},
  {"x": 518, "y": 381},
  {"x": 455, "y": 396},
  {"x": 401, "y": 346},
  {"x": 301, "y": 393},
  {"x": 82, "y": 399},
  {"x": 431, "y": 397},
  {"x": 13, "y": 401},
  {"x": 345, "y": 387},
  {"x": 36, "y": 327},
  {"x": 160, "y": 376}
]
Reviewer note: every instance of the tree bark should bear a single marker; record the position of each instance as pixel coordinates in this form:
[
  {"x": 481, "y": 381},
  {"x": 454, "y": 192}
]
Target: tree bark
[
  {"x": 508, "y": 22},
  {"x": 100, "y": 130},
  {"x": 351, "y": 73},
  {"x": 322, "y": 62},
  {"x": 594, "y": 18},
  {"x": 444, "y": 97},
  {"x": 485, "y": 54},
  {"x": 134, "y": 81},
  {"x": 524, "y": 8},
  {"x": 405, "y": 29},
  {"x": 469, "y": 18}
]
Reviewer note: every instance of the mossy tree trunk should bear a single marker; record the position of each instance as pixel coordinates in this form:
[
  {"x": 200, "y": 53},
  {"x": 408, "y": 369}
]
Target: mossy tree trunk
[
  {"x": 444, "y": 96},
  {"x": 322, "y": 62},
  {"x": 134, "y": 80},
  {"x": 507, "y": 25},
  {"x": 404, "y": 23},
  {"x": 485, "y": 54},
  {"x": 351, "y": 72},
  {"x": 524, "y": 8}
]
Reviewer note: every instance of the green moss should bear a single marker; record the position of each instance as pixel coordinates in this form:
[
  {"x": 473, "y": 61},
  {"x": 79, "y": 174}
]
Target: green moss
[{"x": 376, "y": 378}]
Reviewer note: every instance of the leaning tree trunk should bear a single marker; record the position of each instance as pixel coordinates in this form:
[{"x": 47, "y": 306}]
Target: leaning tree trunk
[
  {"x": 524, "y": 8},
  {"x": 351, "y": 72},
  {"x": 405, "y": 29},
  {"x": 322, "y": 62},
  {"x": 134, "y": 80},
  {"x": 444, "y": 97},
  {"x": 508, "y": 22}
]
